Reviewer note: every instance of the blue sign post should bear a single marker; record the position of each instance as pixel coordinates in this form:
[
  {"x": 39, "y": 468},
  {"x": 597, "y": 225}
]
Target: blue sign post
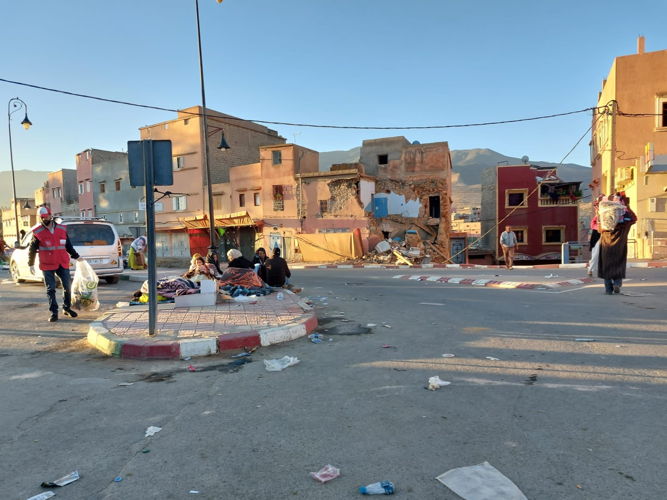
[{"x": 149, "y": 164}]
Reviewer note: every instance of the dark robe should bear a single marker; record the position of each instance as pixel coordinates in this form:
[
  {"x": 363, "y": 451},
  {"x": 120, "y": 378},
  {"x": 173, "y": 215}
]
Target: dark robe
[
  {"x": 241, "y": 263},
  {"x": 277, "y": 271},
  {"x": 614, "y": 252}
]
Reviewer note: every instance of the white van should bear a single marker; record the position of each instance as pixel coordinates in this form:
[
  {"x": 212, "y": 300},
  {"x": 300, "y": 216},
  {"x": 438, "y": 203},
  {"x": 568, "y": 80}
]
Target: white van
[{"x": 96, "y": 240}]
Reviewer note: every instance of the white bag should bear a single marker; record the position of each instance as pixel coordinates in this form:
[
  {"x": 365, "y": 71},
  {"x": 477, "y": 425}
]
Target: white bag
[
  {"x": 84, "y": 287},
  {"x": 610, "y": 213}
]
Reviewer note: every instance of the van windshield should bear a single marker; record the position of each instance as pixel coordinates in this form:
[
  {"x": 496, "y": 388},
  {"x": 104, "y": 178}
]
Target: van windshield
[{"x": 90, "y": 234}]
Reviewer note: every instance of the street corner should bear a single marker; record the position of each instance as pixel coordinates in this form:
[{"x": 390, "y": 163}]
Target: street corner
[{"x": 186, "y": 332}]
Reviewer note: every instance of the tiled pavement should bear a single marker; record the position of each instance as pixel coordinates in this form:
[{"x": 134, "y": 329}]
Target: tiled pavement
[{"x": 200, "y": 331}]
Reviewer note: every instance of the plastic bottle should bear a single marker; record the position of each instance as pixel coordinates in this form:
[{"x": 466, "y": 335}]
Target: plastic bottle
[
  {"x": 280, "y": 296},
  {"x": 381, "y": 488}
]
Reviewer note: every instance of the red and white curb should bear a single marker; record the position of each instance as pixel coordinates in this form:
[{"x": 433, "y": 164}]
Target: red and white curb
[
  {"x": 580, "y": 265},
  {"x": 147, "y": 348},
  {"x": 493, "y": 283}
]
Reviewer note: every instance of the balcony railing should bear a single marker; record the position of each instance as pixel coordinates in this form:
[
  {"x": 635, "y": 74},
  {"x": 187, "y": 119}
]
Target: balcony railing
[{"x": 562, "y": 201}]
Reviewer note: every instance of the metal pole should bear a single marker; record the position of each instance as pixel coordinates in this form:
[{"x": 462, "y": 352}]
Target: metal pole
[
  {"x": 150, "y": 235},
  {"x": 209, "y": 187},
  {"x": 11, "y": 160}
]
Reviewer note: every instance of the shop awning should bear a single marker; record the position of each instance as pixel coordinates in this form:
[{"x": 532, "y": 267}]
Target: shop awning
[{"x": 235, "y": 219}]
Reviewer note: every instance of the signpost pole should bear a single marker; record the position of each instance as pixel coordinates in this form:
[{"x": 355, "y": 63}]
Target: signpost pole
[{"x": 150, "y": 235}]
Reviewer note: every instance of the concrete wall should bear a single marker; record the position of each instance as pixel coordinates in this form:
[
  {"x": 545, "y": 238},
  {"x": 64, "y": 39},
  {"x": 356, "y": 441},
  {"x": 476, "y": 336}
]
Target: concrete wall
[
  {"x": 637, "y": 82},
  {"x": 61, "y": 194},
  {"x": 119, "y": 206},
  {"x": 84, "y": 177},
  {"x": 489, "y": 208}
]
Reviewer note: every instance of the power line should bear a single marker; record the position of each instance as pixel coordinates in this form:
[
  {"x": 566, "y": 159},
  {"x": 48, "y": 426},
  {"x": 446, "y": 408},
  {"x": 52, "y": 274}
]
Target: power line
[{"x": 291, "y": 124}]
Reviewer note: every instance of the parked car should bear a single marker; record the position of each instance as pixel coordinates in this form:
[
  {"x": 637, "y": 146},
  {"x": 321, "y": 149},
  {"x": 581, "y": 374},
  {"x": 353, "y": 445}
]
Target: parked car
[{"x": 96, "y": 240}]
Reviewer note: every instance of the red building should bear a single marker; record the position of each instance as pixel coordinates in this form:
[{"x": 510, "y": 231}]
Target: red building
[{"x": 541, "y": 209}]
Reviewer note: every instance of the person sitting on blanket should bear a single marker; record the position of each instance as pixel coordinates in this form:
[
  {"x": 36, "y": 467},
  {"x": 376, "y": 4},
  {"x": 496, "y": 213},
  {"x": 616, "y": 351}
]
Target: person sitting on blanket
[
  {"x": 236, "y": 259},
  {"x": 200, "y": 270}
]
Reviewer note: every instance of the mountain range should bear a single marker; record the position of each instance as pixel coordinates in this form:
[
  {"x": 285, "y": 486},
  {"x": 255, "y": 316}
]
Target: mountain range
[
  {"x": 467, "y": 168},
  {"x": 27, "y": 181}
]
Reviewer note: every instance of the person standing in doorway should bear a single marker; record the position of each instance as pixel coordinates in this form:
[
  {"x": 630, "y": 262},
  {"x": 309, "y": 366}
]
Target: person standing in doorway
[
  {"x": 508, "y": 243},
  {"x": 55, "y": 249},
  {"x": 613, "y": 257}
]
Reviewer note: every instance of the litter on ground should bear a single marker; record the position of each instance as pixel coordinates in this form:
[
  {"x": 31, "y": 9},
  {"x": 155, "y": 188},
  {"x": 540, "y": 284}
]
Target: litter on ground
[
  {"x": 65, "y": 480},
  {"x": 152, "y": 430},
  {"x": 448, "y": 355},
  {"x": 491, "y": 358},
  {"x": 326, "y": 473},
  {"x": 584, "y": 340},
  {"x": 435, "y": 383},
  {"x": 276, "y": 365},
  {"x": 43, "y": 496},
  {"x": 480, "y": 482}
]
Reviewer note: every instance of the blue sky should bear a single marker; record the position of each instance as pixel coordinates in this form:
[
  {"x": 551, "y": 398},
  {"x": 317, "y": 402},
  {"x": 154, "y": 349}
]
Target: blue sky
[{"x": 342, "y": 62}]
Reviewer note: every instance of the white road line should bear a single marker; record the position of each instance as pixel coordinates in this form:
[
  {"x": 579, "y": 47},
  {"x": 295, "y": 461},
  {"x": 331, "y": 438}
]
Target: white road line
[{"x": 431, "y": 304}]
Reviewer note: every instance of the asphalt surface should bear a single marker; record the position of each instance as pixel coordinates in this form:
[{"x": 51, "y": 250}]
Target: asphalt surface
[{"x": 563, "y": 419}]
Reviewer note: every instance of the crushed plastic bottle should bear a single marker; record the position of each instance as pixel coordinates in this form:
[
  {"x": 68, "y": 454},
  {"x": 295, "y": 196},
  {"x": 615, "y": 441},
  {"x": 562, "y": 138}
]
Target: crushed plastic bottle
[{"x": 381, "y": 488}]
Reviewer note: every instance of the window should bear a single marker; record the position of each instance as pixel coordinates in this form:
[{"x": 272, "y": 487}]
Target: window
[
  {"x": 80, "y": 187},
  {"x": 257, "y": 199},
  {"x": 159, "y": 206},
  {"x": 186, "y": 121},
  {"x": 87, "y": 186},
  {"x": 521, "y": 235},
  {"x": 383, "y": 159},
  {"x": 179, "y": 203},
  {"x": 178, "y": 162},
  {"x": 120, "y": 218},
  {"x": 278, "y": 199},
  {"x": 90, "y": 213},
  {"x": 103, "y": 187},
  {"x": 86, "y": 234},
  {"x": 276, "y": 157},
  {"x": 136, "y": 216},
  {"x": 434, "y": 207},
  {"x": 242, "y": 200},
  {"x": 82, "y": 213},
  {"x": 553, "y": 235},
  {"x": 324, "y": 206},
  {"x": 117, "y": 184},
  {"x": 661, "y": 112},
  {"x": 516, "y": 197}
]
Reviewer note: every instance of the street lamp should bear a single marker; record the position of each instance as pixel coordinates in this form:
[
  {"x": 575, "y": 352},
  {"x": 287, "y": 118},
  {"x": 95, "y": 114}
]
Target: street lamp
[
  {"x": 223, "y": 143},
  {"x": 13, "y": 106}
]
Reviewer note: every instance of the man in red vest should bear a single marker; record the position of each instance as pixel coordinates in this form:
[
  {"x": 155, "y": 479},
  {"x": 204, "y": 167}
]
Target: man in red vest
[{"x": 51, "y": 241}]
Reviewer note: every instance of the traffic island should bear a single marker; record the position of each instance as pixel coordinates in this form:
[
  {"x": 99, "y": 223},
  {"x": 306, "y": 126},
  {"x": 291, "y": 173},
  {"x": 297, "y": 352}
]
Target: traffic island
[{"x": 184, "y": 332}]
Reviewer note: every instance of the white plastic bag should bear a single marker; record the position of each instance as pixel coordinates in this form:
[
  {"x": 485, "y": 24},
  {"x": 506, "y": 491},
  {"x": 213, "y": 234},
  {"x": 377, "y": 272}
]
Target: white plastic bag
[
  {"x": 84, "y": 287},
  {"x": 276, "y": 365},
  {"x": 610, "y": 213}
]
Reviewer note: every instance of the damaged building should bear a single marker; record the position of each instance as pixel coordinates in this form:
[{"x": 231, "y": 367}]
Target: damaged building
[{"x": 397, "y": 190}]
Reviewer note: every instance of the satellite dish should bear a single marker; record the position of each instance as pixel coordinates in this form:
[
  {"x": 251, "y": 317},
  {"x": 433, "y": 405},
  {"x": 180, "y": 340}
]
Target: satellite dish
[{"x": 525, "y": 159}]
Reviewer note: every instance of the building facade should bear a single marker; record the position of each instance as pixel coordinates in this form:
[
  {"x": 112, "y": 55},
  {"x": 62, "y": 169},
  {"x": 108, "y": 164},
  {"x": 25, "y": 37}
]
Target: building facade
[
  {"x": 26, "y": 209},
  {"x": 178, "y": 218},
  {"x": 629, "y": 145},
  {"x": 59, "y": 193},
  {"x": 541, "y": 209}
]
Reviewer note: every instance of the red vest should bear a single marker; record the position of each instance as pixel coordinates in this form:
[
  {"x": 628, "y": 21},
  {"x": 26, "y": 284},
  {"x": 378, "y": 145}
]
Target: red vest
[{"x": 52, "y": 253}]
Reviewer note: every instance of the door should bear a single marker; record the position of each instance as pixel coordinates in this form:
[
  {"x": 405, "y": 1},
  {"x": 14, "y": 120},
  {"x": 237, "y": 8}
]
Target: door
[
  {"x": 275, "y": 240},
  {"x": 458, "y": 244}
]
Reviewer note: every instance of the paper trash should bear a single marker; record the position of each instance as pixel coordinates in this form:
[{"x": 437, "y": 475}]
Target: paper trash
[
  {"x": 480, "y": 482},
  {"x": 152, "y": 430},
  {"x": 276, "y": 365},
  {"x": 435, "y": 383}
]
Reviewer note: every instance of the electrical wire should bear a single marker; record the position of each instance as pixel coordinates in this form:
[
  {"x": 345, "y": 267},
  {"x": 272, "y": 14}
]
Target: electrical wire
[{"x": 291, "y": 124}]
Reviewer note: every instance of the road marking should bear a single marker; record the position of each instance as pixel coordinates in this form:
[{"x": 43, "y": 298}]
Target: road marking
[{"x": 431, "y": 304}]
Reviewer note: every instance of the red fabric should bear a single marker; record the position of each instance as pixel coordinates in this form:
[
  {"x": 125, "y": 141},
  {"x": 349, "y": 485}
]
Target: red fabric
[{"x": 52, "y": 252}]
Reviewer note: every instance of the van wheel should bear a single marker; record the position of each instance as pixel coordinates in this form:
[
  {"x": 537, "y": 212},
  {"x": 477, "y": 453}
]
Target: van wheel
[
  {"x": 112, "y": 280},
  {"x": 14, "y": 269}
]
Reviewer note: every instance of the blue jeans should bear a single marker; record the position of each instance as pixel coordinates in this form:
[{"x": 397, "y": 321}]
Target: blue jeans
[
  {"x": 50, "y": 282},
  {"x": 609, "y": 284}
]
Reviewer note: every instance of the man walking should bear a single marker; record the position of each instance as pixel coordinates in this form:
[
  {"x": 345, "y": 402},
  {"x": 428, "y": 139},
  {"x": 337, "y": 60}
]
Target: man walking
[
  {"x": 51, "y": 241},
  {"x": 508, "y": 243}
]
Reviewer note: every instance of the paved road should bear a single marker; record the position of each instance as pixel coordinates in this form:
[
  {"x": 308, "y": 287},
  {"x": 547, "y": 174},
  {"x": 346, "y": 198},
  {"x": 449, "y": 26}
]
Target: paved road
[{"x": 563, "y": 419}]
